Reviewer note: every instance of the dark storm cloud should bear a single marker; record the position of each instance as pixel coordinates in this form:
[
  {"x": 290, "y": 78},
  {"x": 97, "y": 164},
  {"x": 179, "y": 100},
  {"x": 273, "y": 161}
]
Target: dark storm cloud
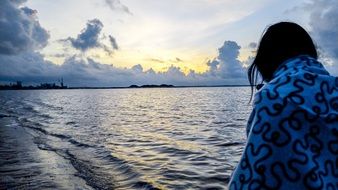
[
  {"x": 117, "y": 5},
  {"x": 20, "y": 29},
  {"x": 27, "y": 66},
  {"x": 89, "y": 36}
]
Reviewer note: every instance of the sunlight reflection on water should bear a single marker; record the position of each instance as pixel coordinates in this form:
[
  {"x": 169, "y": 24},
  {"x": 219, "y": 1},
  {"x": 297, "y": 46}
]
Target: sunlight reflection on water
[{"x": 177, "y": 138}]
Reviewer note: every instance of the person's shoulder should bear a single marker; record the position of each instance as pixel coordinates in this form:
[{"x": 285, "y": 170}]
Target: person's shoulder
[
  {"x": 301, "y": 90},
  {"x": 275, "y": 90}
]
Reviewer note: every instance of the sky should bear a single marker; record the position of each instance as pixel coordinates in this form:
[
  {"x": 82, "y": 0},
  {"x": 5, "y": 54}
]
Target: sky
[{"x": 125, "y": 42}]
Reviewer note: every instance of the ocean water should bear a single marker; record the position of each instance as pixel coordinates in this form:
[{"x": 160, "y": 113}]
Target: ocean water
[{"x": 170, "y": 138}]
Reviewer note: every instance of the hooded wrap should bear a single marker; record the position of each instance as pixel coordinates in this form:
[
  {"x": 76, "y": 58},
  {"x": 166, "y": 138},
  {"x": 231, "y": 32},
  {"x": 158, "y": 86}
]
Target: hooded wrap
[{"x": 292, "y": 131}]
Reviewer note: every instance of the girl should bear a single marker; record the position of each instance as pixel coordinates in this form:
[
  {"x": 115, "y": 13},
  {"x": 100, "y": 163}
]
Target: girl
[{"x": 293, "y": 129}]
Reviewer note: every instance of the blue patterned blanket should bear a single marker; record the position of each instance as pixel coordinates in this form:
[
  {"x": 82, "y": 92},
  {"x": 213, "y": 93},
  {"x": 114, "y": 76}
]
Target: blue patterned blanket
[{"x": 292, "y": 131}]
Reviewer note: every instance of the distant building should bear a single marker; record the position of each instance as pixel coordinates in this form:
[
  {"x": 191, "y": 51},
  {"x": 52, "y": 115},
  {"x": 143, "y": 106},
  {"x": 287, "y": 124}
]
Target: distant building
[
  {"x": 61, "y": 83},
  {"x": 18, "y": 85}
]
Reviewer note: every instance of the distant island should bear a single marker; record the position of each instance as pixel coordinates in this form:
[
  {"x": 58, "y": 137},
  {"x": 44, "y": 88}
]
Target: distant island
[{"x": 152, "y": 86}]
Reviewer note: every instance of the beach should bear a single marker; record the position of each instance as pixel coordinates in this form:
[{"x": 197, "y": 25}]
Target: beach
[{"x": 25, "y": 165}]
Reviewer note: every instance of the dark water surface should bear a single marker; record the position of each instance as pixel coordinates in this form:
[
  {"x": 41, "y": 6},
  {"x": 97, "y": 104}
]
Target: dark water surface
[{"x": 177, "y": 138}]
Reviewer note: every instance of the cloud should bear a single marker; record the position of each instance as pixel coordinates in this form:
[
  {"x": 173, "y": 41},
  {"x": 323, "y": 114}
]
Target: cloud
[
  {"x": 59, "y": 55},
  {"x": 213, "y": 66},
  {"x": 156, "y": 60},
  {"x": 117, "y": 5},
  {"x": 137, "y": 68},
  {"x": 113, "y": 42},
  {"x": 226, "y": 64},
  {"x": 177, "y": 60},
  {"x": 89, "y": 36},
  {"x": 323, "y": 21},
  {"x": 174, "y": 60},
  {"x": 27, "y": 66},
  {"x": 21, "y": 35},
  {"x": 252, "y": 45},
  {"x": 20, "y": 29},
  {"x": 20, "y": 61},
  {"x": 31, "y": 67},
  {"x": 324, "y": 30}
]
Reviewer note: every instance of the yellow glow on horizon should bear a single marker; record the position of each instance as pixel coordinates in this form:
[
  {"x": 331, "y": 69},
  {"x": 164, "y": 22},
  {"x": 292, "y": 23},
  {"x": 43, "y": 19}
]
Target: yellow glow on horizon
[{"x": 158, "y": 60}]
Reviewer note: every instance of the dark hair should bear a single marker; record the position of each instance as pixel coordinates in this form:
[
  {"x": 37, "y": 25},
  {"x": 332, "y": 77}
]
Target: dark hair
[{"x": 280, "y": 42}]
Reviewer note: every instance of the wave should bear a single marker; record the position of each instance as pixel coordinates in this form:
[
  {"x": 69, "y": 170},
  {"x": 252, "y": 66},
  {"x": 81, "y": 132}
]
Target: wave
[
  {"x": 107, "y": 143},
  {"x": 87, "y": 167},
  {"x": 4, "y": 115}
]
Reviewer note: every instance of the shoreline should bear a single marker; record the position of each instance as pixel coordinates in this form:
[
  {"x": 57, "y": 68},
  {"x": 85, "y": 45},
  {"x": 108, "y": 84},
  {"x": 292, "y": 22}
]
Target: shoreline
[{"x": 23, "y": 165}]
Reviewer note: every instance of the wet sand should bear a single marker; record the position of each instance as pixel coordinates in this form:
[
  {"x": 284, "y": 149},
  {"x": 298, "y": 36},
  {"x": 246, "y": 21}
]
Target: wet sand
[{"x": 25, "y": 165}]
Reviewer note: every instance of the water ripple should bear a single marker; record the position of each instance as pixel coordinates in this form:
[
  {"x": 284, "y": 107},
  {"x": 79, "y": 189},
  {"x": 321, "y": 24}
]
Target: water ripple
[{"x": 178, "y": 138}]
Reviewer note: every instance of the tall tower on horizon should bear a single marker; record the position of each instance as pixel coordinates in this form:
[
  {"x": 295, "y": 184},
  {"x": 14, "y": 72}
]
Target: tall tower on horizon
[{"x": 61, "y": 82}]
